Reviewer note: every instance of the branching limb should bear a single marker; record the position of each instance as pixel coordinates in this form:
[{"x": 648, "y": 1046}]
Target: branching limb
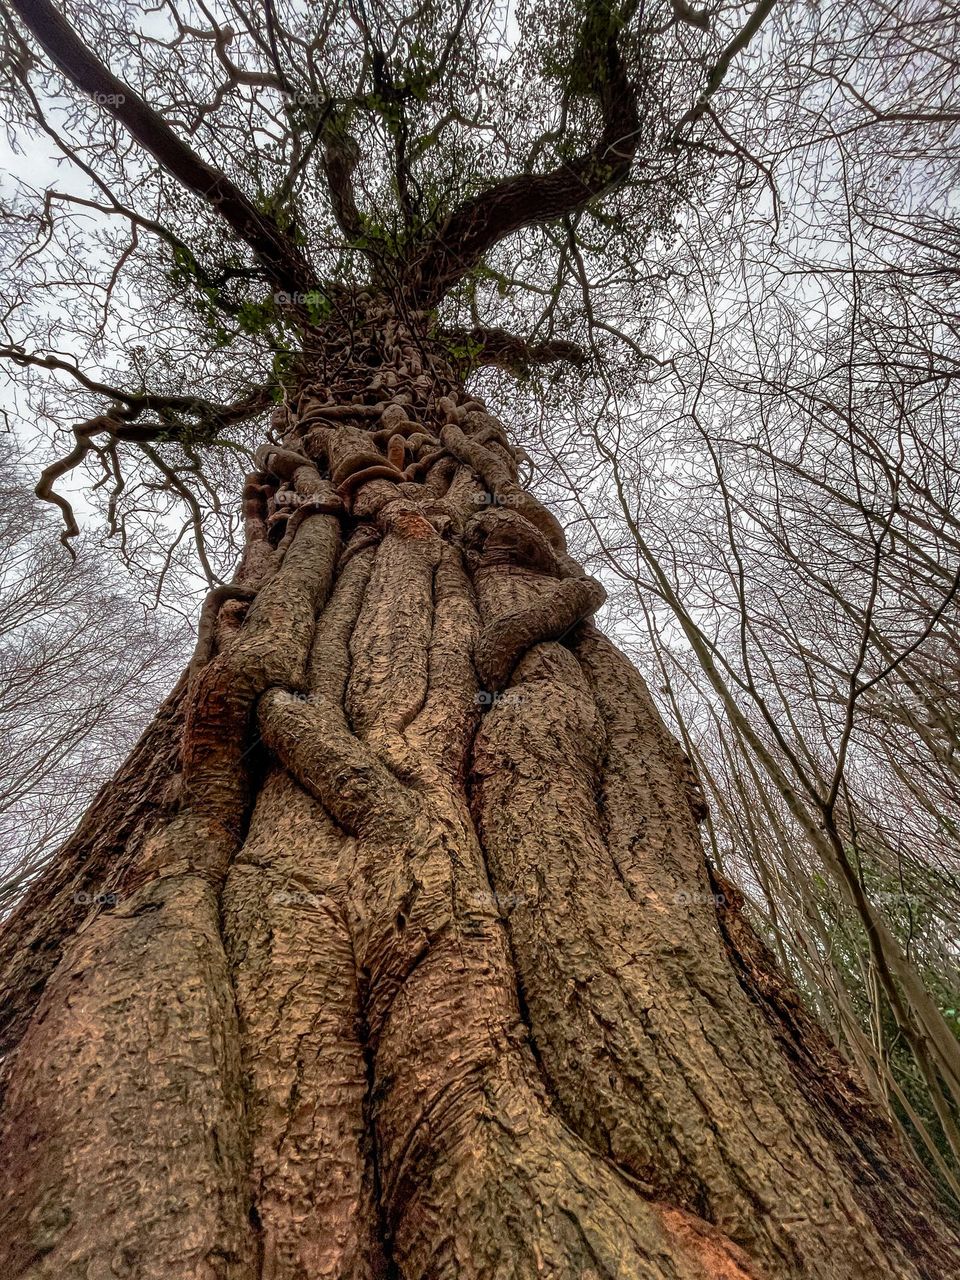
[
  {"x": 720, "y": 68},
  {"x": 341, "y": 154},
  {"x": 497, "y": 346},
  {"x": 283, "y": 261},
  {"x": 45, "y": 491},
  {"x": 121, "y": 425},
  {"x": 213, "y": 281},
  {"x": 220, "y": 415},
  {"x": 472, "y": 228}
]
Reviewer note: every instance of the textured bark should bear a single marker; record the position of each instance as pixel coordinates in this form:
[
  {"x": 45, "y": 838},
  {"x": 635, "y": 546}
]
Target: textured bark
[
  {"x": 89, "y": 867},
  {"x": 413, "y": 966}
]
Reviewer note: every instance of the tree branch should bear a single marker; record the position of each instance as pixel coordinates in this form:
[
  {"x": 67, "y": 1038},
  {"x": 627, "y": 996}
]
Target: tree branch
[
  {"x": 499, "y": 347},
  {"x": 341, "y": 154},
  {"x": 121, "y": 424},
  {"x": 470, "y": 230},
  {"x": 287, "y": 268},
  {"x": 148, "y": 401},
  {"x": 722, "y": 65}
]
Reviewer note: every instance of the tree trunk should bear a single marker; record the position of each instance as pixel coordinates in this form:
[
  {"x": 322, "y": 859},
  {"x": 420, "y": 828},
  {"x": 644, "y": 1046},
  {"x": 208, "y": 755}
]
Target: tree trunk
[{"x": 393, "y": 950}]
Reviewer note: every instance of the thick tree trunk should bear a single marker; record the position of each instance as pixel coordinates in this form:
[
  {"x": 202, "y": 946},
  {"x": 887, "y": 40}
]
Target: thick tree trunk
[{"x": 393, "y": 950}]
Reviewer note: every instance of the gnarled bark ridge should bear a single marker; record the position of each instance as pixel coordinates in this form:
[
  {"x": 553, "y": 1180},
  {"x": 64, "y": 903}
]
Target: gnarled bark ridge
[{"x": 396, "y": 954}]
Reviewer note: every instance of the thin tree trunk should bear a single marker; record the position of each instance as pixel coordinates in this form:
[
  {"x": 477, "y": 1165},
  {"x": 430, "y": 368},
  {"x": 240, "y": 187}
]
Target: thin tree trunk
[{"x": 406, "y": 960}]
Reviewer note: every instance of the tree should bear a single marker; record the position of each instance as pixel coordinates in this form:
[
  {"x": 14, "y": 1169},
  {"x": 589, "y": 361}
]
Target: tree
[
  {"x": 72, "y": 701},
  {"x": 404, "y": 956}
]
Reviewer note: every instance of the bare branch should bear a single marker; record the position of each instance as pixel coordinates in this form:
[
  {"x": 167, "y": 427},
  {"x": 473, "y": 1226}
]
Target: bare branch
[
  {"x": 283, "y": 261},
  {"x": 438, "y": 261}
]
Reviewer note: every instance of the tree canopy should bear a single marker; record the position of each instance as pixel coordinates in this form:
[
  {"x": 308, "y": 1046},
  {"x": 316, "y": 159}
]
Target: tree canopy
[{"x": 231, "y": 173}]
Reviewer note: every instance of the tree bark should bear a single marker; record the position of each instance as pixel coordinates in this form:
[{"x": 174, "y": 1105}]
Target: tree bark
[{"x": 393, "y": 950}]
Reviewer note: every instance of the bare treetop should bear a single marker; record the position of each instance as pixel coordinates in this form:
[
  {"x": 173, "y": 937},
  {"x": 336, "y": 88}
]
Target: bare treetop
[{"x": 242, "y": 172}]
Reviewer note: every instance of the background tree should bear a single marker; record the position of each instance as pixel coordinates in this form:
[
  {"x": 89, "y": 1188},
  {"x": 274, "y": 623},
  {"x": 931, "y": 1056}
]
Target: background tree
[
  {"x": 82, "y": 667},
  {"x": 406, "y": 957}
]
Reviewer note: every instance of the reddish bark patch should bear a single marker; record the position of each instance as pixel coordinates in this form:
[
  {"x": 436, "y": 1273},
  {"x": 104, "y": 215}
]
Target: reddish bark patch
[
  {"x": 707, "y": 1247},
  {"x": 409, "y": 524}
]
